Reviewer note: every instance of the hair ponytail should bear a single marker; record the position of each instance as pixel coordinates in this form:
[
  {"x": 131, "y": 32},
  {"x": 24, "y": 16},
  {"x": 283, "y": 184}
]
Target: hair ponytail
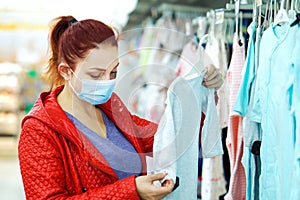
[{"x": 60, "y": 24}]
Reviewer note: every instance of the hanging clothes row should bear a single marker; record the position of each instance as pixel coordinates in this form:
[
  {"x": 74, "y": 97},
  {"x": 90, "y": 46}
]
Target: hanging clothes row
[
  {"x": 249, "y": 46},
  {"x": 265, "y": 103}
]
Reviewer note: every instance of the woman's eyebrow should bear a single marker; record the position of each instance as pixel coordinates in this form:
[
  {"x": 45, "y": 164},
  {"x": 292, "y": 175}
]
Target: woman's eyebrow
[
  {"x": 116, "y": 66},
  {"x": 102, "y": 69},
  {"x": 97, "y": 68}
]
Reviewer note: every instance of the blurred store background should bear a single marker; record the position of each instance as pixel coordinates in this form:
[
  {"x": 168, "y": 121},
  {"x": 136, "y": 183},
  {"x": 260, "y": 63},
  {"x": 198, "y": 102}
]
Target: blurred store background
[{"x": 24, "y": 29}]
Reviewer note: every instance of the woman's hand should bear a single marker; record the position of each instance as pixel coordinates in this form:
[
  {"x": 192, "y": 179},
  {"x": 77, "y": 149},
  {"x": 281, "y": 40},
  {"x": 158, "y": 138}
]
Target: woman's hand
[
  {"x": 148, "y": 191},
  {"x": 213, "y": 77}
]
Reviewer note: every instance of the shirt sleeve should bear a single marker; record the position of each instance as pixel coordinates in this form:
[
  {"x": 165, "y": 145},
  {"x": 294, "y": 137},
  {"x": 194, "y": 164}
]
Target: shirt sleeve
[
  {"x": 145, "y": 132},
  {"x": 211, "y": 133}
]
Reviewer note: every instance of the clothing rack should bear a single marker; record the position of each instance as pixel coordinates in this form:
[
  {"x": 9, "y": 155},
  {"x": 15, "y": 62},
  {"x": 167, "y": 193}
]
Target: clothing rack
[
  {"x": 189, "y": 10},
  {"x": 242, "y": 7},
  {"x": 230, "y": 14}
]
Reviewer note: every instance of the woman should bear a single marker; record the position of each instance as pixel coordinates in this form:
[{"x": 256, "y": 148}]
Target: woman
[{"x": 79, "y": 141}]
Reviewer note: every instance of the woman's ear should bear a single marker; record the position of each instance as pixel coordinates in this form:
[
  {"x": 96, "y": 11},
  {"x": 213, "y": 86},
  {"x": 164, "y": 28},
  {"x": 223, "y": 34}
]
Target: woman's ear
[{"x": 64, "y": 71}]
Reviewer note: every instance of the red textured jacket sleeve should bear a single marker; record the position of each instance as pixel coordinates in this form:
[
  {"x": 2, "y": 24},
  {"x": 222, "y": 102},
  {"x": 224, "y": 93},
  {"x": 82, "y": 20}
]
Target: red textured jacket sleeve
[
  {"x": 146, "y": 131},
  {"x": 44, "y": 174}
]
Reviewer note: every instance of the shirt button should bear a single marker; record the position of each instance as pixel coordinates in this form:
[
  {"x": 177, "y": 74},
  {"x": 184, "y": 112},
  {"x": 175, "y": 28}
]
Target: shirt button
[{"x": 84, "y": 189}]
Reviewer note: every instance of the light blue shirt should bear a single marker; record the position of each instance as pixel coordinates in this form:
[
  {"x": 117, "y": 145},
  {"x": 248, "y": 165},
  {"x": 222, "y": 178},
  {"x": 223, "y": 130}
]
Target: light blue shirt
[
  {"x": 271, "y": 107},
  {"x": 243, "y": 96},
  {"x": 176, "y": 143},
  {"x": 243, "y": 106},
  {"x": 295, "y": 86}
]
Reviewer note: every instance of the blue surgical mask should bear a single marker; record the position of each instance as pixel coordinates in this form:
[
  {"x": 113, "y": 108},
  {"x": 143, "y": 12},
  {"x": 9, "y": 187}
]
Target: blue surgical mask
[{"x": 95, "y": 91}]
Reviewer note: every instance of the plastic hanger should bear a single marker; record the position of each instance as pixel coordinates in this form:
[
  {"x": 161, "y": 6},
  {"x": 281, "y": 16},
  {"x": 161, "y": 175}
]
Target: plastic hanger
[
  {"x": 241, "y": 36},
  {"x": 297, "y": 17},
  {"x": 297, "y": 20},
  {"x": 270, "y": 18},
  {"x": 254, "y": 18},
  {"x": 292, "y": 13},
  {"x": 282, "y": 15},
  {"x": 268, "y": 14},
  {"x": 237, "y": 11},
  {"x": 275, "y": 10},
  {"x": 209, "y": 37},
  {"x": 297, "y": 6},
  {"x": 229, "y": 29}
]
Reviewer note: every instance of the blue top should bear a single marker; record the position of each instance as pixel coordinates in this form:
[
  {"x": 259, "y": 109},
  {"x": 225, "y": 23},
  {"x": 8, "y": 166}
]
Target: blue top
[
  {"x": 116, "y": 149},
  {"x": 271, "y": 106}
]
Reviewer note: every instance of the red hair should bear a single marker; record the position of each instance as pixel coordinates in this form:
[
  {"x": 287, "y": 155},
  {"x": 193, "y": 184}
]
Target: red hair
[{"x": 71, "y": 41}]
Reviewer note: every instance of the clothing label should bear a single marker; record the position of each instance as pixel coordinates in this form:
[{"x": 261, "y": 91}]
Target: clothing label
[
  {"x": 219, "y": 17},
  {"x": 259, "y": 2}
]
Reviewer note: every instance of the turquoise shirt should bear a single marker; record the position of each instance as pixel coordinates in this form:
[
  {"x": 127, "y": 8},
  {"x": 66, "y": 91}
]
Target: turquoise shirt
[
  {"x": 295, "y": 86},
  {"x": 271, "y": 107},
  {"x": 243, "y": 106}
]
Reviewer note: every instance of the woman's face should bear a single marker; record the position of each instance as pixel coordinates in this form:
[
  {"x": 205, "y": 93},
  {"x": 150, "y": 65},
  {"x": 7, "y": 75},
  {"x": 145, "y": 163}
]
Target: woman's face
[{"x": 100, "y": 64}]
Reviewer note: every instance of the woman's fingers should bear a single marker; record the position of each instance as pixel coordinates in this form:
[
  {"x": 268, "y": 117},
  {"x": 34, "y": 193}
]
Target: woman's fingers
[
  {"x": 213, "y": 77},
  {"x": 211, "y": 73},
  {"x": 148, "y": 190},
  {"x": 157, "y": 177}
]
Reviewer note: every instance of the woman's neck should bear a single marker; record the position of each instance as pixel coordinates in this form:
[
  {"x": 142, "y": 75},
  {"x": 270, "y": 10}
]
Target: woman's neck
[
  {"x": 85, "y": 112},
  {"x": 70, "y": 103}
]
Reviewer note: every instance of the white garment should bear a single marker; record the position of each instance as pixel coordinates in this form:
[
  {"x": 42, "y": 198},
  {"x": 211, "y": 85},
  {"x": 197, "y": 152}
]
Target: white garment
[
  {"x": 217, "y": 52},
  {"x": 176, "y": 147},
  {"x": 213, "y": 182}
]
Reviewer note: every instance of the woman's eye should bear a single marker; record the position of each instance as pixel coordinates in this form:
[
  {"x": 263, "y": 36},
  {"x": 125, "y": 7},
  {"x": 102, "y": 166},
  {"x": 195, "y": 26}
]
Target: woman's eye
[
  {"x": 95, "y": 76},
  {"x": 113, "y": 75}
]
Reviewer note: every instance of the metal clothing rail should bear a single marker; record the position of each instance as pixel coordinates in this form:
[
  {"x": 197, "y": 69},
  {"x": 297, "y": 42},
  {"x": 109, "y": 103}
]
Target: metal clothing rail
[
  {"x": 242, "y": 7},
  {"x": 192, "y": 10},
  {"x": 230, "y": 13}
]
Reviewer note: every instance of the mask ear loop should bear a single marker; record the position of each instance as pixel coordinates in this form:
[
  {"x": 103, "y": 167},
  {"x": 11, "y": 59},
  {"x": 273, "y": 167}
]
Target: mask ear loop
[
  {"x": 69, "y": 82},
  {"x": 75, "y": 75}
]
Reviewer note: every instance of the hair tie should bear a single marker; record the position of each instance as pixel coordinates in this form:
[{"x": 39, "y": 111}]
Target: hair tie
[{"x": 72, "y": 21}]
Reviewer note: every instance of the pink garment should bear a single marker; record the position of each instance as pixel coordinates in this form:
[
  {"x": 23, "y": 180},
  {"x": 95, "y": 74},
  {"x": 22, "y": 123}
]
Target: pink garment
[
  {"x": 213, "y": 181},
  {"x": 237, "y": 185},
  {"x": 234, "y": 140},
  {"x": 234, "y": 74}
]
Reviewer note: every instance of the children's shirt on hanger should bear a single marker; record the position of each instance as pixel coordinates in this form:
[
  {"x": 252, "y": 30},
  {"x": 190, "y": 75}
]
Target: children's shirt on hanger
[
  {"x": 213, "y": 182},
  {"x": 296, "y": 114},
  {"x": 234, "y": 140},
  {"x": 271, "y": 108},
  {"x": 216, "y": 50},
  {"x": 243, "y": 106},
  {"x": 243, "y": 97},
  {"x": 176, "y": 141}
]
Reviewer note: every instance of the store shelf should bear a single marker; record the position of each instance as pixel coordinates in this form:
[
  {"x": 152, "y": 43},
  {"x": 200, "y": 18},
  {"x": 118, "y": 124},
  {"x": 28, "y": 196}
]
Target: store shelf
[
  {"x": 8, "y": 146},
  {"x": 10, "y": 85}
]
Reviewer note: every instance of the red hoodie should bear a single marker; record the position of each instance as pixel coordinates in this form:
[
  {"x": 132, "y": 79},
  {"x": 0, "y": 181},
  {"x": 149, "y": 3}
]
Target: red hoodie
[{"x": 58, "y": 162}]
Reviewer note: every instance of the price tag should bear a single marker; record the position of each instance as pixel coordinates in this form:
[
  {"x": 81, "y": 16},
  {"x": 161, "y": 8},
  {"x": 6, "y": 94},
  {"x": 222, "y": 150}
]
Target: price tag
[
  {"x": 219, "y": 17},
  {"x": 259, "y": 2}
]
